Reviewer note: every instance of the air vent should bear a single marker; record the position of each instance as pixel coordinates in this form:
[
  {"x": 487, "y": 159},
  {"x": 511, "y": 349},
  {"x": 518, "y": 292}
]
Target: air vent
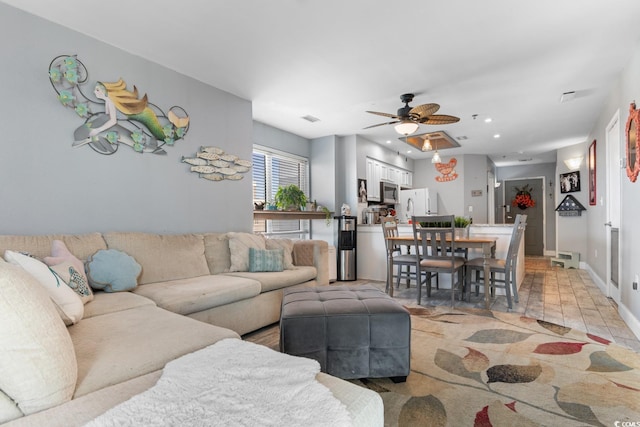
[
  {"x": 568, "y": 96},
  {"x": 310, "y": 119},
  {"x": 462, "y": 138}
]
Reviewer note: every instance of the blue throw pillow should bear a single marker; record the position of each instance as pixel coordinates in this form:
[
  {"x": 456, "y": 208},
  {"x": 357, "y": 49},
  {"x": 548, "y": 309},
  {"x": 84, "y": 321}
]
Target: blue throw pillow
[
  {"x": 266, "y": 260},
  {"x": 112, "y": 271}
]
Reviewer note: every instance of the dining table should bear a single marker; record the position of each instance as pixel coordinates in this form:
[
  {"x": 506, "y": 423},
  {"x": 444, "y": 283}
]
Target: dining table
[{"x": 486, "y": 244}]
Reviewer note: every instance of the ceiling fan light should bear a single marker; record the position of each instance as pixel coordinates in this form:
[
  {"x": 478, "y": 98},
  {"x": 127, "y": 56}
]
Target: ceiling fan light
[
  {"x": 406, "y": 127},
  {"x": 436, "y": 158},
  {"x": 427, "y": 145}
]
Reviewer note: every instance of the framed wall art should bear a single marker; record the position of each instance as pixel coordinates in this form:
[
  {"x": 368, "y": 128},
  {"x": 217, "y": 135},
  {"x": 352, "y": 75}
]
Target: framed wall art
[
  {"x": 570, "y": 182},
  {"x": 591, "y": 163},
  {"x": 632, "y": 146}
]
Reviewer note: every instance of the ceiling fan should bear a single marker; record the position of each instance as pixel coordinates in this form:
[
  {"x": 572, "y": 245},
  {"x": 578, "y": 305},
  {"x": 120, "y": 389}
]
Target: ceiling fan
[{"x": 409, "y": 118}]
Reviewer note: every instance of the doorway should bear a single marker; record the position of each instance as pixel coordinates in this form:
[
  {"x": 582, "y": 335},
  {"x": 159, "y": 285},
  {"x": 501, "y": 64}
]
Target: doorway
[
  {"x": 534, "y": 233},
  {"x": 491, "y": 198},
  {"x": 612, "y": 226}
]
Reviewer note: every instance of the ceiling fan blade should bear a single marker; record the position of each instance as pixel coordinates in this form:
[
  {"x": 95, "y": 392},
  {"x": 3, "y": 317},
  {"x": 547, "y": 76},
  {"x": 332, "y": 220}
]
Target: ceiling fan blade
[
  {"x": 382, "y": 124},
  {"x": 440, "y": 119},
  {"x": 423, "y": 111},
  {"x": 393, "y": 116}
]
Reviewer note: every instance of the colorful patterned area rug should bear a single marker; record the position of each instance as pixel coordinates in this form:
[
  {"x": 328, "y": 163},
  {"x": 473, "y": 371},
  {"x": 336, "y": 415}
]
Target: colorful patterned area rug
[{"x": 482, "y": 368}]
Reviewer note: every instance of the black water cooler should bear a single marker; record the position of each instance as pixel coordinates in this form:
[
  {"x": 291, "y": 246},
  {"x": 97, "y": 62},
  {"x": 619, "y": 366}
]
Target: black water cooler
[{"x": 346, "y": 247}]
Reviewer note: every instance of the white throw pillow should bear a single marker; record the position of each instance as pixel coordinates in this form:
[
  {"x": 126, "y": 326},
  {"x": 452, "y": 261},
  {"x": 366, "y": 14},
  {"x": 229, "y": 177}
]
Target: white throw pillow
[
  {"x": 68, "y": 302},
  {"x": 287, "y": 246},
  {"x": 38, "y": 367},
  {"x": 70, "y": 269},
  {"x": 239, "y": 244}
]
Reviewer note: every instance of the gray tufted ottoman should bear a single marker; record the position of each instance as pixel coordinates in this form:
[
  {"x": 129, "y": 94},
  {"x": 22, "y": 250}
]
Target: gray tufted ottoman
[{"x": 353, "y": 331}]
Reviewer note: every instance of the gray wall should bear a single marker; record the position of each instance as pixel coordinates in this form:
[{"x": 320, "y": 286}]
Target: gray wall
[
  {"x": 278, "y": 139},
  {"x": 50, "y": 187},
  {"x": 625, "y": 90},
  {"x": 472, "y": 175}
]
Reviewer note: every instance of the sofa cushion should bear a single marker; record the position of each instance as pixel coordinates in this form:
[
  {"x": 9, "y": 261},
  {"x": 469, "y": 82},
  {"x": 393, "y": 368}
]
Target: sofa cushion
[
  {"x": 68, "y": 302},
  {"x": 278, "y": 280},
  {"x": 70, "y": 269},
  {"x": 112, "y": 271},
  {"x": 81, "y": 245},
  {"x": 104, "y": 302},
  {"x": 38, "y": 366},
  {"x": 287, "y": 247},
  {"x": 186, "y": 296},
  {"x": 239, "y": 244},
  {"x": 266, "y": 260},
  {"x": 116, "y": 347},
  {"x": 217, "y": 253},
  {"x": 162, "y": 257}
]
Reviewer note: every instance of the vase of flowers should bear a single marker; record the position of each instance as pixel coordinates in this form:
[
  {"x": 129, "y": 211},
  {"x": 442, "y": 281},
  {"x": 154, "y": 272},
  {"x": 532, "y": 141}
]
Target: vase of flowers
[{"x": 523, "y": 199}]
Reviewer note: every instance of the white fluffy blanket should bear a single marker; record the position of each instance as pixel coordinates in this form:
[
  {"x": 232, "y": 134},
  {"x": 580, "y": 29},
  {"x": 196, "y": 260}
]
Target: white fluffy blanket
[{"x": 233, "y": 383}]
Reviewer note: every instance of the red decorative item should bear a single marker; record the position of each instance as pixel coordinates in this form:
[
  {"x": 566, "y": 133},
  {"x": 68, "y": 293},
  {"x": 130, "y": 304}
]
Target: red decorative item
[{"x": 523, "y": 198}]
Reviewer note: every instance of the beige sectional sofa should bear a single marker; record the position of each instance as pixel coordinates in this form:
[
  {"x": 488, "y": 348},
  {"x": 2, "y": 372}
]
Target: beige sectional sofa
[{"x": 187, "y": 298}]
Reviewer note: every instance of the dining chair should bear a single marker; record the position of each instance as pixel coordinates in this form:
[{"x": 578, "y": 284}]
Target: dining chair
[
  {"x": 434, "y": 240},
  {"x": 403, "y": 262},
  {"x": 506, "y": 266}
]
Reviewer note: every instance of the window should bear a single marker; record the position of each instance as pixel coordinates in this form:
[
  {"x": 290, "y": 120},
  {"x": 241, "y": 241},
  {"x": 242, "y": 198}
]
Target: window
[{"x": 272, "y": 169}]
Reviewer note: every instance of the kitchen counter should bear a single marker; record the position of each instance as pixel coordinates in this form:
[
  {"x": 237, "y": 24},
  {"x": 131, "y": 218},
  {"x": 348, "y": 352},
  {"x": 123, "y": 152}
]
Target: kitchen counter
[{"x": 372, "y": 254}]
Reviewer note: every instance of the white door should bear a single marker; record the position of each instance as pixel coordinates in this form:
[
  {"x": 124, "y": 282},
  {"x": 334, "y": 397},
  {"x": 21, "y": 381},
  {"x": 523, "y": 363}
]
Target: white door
[{"x": 612, "y": 226}]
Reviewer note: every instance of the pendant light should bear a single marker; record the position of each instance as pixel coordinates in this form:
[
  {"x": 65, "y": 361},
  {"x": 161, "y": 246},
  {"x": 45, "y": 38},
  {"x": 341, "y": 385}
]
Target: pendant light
[
  {"x": 426, "y": 146},
  {"x": 436, "y": 157}
]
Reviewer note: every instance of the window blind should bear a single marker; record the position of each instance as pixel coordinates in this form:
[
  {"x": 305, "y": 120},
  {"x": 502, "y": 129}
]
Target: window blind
[{"x": 272, "y": 169}]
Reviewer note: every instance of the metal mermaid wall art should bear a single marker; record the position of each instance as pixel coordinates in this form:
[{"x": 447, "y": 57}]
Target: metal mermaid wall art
[{"x": 114, "y": 115}]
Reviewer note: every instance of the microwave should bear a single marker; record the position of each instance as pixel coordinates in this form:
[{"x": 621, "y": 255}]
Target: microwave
[{"x": 389, "y": 193}]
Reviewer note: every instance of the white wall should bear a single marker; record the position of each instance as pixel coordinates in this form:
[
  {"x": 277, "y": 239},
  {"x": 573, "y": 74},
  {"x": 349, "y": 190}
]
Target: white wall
[
  {"x": 50, "y": 187},
  {"x": 623, "y": 92}
]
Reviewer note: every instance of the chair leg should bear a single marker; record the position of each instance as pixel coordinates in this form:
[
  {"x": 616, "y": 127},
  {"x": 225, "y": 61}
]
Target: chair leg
[
  {"x": 514, "y": 286},
  {"x": 419, "y": 285},
  {"x": 507, "y": 289}
]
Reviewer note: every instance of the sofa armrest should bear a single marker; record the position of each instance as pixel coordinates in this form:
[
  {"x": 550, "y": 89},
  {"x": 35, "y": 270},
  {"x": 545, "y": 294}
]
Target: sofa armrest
[{"x": 313, "y": 253}]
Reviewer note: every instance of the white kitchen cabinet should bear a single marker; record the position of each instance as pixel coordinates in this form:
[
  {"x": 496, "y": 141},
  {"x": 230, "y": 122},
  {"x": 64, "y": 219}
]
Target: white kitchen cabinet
[
  {"x": 406, "y": 179},
  {"x": 378, "y": 171},
  {"x": 373, "y": 180}
]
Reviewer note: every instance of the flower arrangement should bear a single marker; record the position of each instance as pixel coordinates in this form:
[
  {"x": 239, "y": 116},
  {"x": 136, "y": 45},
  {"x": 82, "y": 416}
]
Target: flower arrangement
[{"x": 523, "y": 198}]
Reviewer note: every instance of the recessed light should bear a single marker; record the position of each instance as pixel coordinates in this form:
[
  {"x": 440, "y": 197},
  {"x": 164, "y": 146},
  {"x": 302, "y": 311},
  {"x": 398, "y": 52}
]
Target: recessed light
[
  {"x": 488, "y": 120},
  {"x": 497, "y": 135},
  {"x": 408, "y": 151},
  {"x": 388, "y": 142}
]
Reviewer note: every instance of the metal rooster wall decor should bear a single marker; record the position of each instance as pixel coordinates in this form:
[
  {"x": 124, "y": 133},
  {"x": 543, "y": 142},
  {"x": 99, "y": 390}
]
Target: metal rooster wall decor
[{"x": 114, "y": 115}]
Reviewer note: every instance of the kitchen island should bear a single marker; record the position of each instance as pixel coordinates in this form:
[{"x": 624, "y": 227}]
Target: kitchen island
[{"x": 372, "y": 254}]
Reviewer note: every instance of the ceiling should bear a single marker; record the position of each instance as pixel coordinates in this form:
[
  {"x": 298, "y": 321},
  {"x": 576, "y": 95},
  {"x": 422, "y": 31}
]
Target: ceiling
[{"x": 334, "y": 59}]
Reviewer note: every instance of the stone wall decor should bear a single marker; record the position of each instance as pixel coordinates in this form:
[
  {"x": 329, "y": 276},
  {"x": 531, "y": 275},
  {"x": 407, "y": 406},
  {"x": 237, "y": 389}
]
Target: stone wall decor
[
  {"x": 114, "y": 115},
  {"x": 214, "y": 164}
]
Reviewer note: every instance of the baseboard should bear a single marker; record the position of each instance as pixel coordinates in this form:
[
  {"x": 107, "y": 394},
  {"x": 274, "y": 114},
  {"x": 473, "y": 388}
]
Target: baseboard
[
  {"x": 549, "y": 253},
  {"x": 632, "y": 322}
]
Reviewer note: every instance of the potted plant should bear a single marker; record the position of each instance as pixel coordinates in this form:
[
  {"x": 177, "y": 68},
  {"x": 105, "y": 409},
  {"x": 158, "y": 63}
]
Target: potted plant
[
  {"x": 462, "y": 226},
  {"x": 290, "y": 198}
]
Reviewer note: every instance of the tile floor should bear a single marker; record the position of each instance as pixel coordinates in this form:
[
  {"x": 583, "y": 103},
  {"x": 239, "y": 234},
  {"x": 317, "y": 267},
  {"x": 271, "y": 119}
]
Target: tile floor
[{"x": 564, "y": 297}]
